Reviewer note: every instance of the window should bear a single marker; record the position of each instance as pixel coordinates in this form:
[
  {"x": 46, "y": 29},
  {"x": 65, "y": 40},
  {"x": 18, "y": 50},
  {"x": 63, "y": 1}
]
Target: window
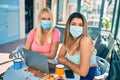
[
  {"x": 115, "y": 16},
  {"x": 65, "y": 9},
  {"x": 116, "y": 26},
  {"x": 118, "y": 38},
  {"x": 118, "y": 34},
  {"x": 91, "y": 9},
  {"x": 108, "y": 14}
]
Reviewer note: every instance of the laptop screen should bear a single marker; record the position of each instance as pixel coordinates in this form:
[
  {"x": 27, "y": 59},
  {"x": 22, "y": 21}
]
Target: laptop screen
[{"x": 36, "y": 60}]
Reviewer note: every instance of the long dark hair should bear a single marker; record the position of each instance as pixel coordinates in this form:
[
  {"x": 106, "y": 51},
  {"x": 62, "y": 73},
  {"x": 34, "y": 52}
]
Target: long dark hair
[{"x": 67, "y": 35}]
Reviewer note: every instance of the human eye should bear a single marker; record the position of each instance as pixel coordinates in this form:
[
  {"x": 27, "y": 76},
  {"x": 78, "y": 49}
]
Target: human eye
[
  {"x": 81, "y": 24},
  {"x": 73, "y": 24},
  {"x": 49, "y": 19},
  {"x": 43, "y": 18}
]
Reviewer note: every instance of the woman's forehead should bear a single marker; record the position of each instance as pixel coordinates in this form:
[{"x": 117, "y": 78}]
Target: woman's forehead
[
  {"x": 77, "y": 20},
  {"x": 45, "y": 14}
]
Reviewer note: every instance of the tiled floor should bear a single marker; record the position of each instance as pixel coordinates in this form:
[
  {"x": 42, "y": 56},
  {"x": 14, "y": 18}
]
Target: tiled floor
[{"x": 9, "y": 47}]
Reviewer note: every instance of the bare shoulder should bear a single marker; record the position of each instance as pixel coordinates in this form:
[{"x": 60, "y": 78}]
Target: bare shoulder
[
  {"x": 87, "y": 43},
  {"x": 85, "y": 40}
]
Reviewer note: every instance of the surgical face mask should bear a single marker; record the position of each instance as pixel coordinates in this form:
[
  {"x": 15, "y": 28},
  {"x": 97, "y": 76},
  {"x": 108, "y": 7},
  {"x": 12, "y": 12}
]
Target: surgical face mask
[
  {"x": 46, "y": 24},
  {"x": 76, "y": 31}
]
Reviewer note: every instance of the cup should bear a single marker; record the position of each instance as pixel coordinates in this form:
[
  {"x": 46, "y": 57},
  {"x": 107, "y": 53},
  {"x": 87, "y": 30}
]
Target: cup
[
  {"x": 59, "y": 69},
  {"x": 17, "y": 64}
]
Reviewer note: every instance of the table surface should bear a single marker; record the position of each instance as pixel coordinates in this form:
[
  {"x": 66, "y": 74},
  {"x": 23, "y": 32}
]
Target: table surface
[
  {"x": 21, "y": 74},
  {"x": 4, "y": 57}
]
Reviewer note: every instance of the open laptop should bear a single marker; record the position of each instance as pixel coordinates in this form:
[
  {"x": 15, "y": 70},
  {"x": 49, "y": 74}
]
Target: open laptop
[{"x": 36, "y": 60}]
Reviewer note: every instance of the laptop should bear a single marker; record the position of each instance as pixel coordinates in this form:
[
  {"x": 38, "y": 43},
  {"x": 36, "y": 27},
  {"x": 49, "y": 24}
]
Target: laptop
[{"x": 36, "y": 60}]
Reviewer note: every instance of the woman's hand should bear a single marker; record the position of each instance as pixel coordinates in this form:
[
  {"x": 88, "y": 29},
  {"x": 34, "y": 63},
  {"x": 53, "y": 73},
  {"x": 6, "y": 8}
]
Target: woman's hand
[{"x": 62, "y": 60}]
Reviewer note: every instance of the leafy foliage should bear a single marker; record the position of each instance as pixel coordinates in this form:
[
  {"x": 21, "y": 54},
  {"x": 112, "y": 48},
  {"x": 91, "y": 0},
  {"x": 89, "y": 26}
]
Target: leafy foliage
[{"x": 106, "y": 23}]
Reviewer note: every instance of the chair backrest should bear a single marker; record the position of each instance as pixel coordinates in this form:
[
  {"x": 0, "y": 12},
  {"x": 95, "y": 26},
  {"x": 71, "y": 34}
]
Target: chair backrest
[
  {"x": 110, "y": 36},
  {"x": 101, "y": 46},
  {"x": 104, "y": 46},
  {"x": 103, "y": 64},
  {"x": 111, "y": 44}
]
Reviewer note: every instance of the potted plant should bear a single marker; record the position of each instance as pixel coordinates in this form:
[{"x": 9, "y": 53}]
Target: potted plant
[{"x": 106, "y": 23}]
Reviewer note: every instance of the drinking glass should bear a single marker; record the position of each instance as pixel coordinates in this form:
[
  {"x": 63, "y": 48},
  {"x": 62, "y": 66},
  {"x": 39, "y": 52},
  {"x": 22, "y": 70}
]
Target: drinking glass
[{"x": 59, "y": 69}]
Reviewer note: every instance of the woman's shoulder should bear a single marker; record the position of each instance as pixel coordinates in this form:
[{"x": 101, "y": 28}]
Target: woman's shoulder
[
  {"x": 33, "y": 30},
  {"x": 86, "y": 39},
  {"x": 56, "y": 31}
]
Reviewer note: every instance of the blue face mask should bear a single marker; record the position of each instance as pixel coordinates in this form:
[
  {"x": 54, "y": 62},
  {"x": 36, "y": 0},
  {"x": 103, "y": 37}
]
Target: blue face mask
[
  {"x": 76, "y": 31},
  {"x": 46, "y": 24}
]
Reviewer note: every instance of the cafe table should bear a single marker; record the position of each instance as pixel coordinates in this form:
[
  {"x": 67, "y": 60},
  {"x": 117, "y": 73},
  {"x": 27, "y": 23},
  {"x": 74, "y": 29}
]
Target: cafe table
[
  {"x": 5, "y": 62},
  {"x": 6, "y": 67}
]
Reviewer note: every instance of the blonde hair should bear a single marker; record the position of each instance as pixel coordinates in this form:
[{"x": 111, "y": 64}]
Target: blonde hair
[
  {"x": 39, "y": 29},
  {"x": 67, "y": 35}
]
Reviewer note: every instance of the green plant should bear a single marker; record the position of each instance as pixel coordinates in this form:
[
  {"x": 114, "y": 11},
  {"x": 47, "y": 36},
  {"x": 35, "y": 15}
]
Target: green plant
[{"x": 106, "y": 23}]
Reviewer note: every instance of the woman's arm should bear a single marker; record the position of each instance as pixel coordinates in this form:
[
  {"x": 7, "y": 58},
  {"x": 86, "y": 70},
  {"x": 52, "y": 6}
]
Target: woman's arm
[
  {"x": 30, "y": 38},
  {"x": 28, "y": 44},
  {"x": 61, "y": 56},
  {"x": 85, "y": 56},
  {"x": 86, "y": 50},
  {"x": 62, "y": 51},
  {"x": 53, "y": 52},
  {"x": 55, "y": 44}
]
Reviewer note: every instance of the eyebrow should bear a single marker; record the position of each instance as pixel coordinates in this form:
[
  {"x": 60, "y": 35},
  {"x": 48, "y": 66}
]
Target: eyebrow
[
  {"x": 73, "y": 23},
  {"x": 45, "y": 18}
]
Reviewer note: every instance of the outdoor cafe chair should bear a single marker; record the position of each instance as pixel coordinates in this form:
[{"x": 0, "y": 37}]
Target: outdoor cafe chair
[{"x": 104, "y": 67}]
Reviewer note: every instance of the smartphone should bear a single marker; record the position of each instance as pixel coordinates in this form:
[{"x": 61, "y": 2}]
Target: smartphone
[{"x": 69, "y": 74}]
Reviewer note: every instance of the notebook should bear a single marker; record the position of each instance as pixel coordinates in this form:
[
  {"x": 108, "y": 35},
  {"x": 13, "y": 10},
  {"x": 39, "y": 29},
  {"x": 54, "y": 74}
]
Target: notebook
[{"x": 36, "y": 60}]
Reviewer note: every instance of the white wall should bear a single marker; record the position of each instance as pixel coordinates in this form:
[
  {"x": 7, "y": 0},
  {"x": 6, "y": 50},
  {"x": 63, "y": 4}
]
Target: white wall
[
  {"x": 54, "y": 9},
  {"x": 37, "y": 8},
  {"x": 22, "y": 18}
]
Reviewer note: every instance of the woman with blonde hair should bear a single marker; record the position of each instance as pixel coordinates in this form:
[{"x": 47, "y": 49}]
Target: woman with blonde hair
[
  {"x": 77, "y": 51},
  {"x": 45, "y": 38}
]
